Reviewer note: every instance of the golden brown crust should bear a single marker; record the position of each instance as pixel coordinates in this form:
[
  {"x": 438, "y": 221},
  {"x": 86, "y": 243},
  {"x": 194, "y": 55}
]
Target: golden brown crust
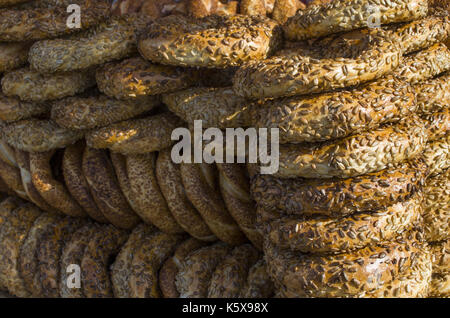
[
  {"x": 170, "y": 183},
  {"x": 213, "y": 41},
  {"x": 207, "y": 200},
  {"x": 136, "y": 77},
  {"x": 433, "y": 95},
  {"x": 13, "y": 55},
  {"x": 441, "y": 256},
  {"x": 203, "y": 8},
  {"x": 105, "y": 190},
  {"x": 13, "y": 109},
  {"x": 150, "y": 203},
  {"x": 440, "y": 285},
  {"x": 72, "y": 167},
  {"x": 339, "y": 197},
  {"x": 162, "y": 8},
  {"x": 438, "y": 124},
  {"x": 136, "y": 136},
  {"x": 437, "y": 155},
  {"x": 344, "y": 15},
  {"x": 13, "y": 180},
  {"x": 259, "y": 284},
  {"x": 98, "y": 111},
  {"x": 36, "y": 135},
  {"x": 253, "y": 7},
  {"x": 284, "y": 9},
  {"x": 230, "y": 275}
]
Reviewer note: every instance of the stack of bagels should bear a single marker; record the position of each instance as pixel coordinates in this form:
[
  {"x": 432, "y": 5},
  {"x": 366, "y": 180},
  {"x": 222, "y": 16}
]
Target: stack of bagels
[{"x": 357, "y": 208}]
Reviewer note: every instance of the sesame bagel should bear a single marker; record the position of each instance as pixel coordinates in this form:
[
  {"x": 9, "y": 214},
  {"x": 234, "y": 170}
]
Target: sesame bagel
[
  {"x": 13, "y": 55},
  {"x": 213, "y": 41},
  {"x": 97, "y": 111},
  {"x": 136, "y": 77},
  {"x": 338, "y": 114},
  {"x": 108, "y": 41},
  {"x": 259, "y": 284},
  {"x": 355, "y": 155},
  {"x": 433, "y": 95},
  {"x": 150, "y": 203},
  {"x": 436, "y": 208},
  {"x": 49, "y": 21},
  {"x": 29, "y": 85},
  {"x": 136, "y": 136},
  {"x": 331, "y": 235},
  {"x": 105, "y": 190},
  {"x": 13, "y": 109},
  {"x": 437, "y": 155},
  {"x": 345, "y": 15},
  {"x": 170, "y": 183},
  {"x": 356, "y": 57}
]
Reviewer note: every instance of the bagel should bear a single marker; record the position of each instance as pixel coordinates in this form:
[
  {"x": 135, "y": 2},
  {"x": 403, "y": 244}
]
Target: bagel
[
  {"x": 105, "y": 190},
  {"x": 433, "y": 95},
  {"x": 72, "y": 167},
  {"x": 147, "y": 260},
  {"x": 259, "y": 284},
  {"x": 169, "y": 179},
  {"x": 99, "y": 111},
  {"x": 169, "y": 269},
  {"x": 49, "y": 253},
  {"x": 13, "y": 109},
  {"x": 136, "y": 77},
  {"x": 330, "y": 235},
  {"x": 213, "y": 41},
  {"x": 150, "y": 202},
  {"x": 437, "y": 155},
  {"x": 136, "y": 136},
  {"x": 29, "y": 85},
  {"x": 108, "y": 41},
  {"x": 196, "y": 270},
  {"x": 13, "y": 180},
  {"x": 436, "y": 208},
  {"x": 215, "y": 107},
  {"x": 235, "y": 190},
  {"x": 121, "y": 268},
  {"x": 203, "y": 8},
  {"x": 345, "y": 15},
  {"x": 355, "y": 155},
  {"x": 207, "y": 199},
  {"x": 339, "y": 197},
  {"x": 35, "y": 135},
  {"x": 13, "y": 55},
  {"x": 355, "y": 58},
  {"x": 52, "y": 190},
  {"x": 103, "y": 246},
  {"x": 338, "y": 114},
  {"x": 23, "y": 160},
  {"x": 49, "y": 21},
  {"x": 231, "y": 274},
  {"x": 8, "y": 154},
  {"x": 438, "y": 124},
  {"x": 352, "y": 274}
]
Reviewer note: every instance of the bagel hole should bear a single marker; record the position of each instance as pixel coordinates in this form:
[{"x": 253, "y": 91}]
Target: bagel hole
[{"x": 56, "y": 165}]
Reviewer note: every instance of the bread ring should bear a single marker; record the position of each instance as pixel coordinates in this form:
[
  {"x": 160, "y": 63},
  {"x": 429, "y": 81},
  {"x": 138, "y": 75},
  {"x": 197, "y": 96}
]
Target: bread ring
[
  {"x": 99, "y": 111},
  {"x": 436, "y": 208},
  {"x": 13, "y": 55},
  {"x": 197, "y": 268},
  {"x": 440, "y": 285},
  {"x": 8, "y": 154},
  {"x": 213, "y": 41},
  {"x": 437, "y": 155},
  {"x": 103, "y": 246},
  {"x": 438, "y": 124},
  {"x": 339, "y": 197},
  {"x": 235, "y": 190},
  {"x": 147, "y": 260},
  {"x": 13, "y": 109},
  {"x": 35, "y": 135},
  {"x": 49, "y": 21},
  {"x": 121, "y": 268},
  {"x": 231, "y": 274},
  {"x": 108, "y": 41},
  {"x": 329, "y": 235},
  {"x": 169, "y": 179},
  {"x": 169, "y": 270},
  {"x": 53, "y": 191},
  {"x": 295, "y": 74},
  {"x": 355, "y": 155},
  {"x": 136, "y": 136},
  {"x": 215, "y": 107},
  {"x": 29, "y": 85},
  {"x": 23, "y": 160},
  {"x": 259, "y": 284},
  {"x": 209, "y": 203},
  {"x": 105, "y": 190},
  {"x": 338, "y": 114},
  {"x": 13, "y": 234},
  {"x": 72, "y": 167},
  {"x": 13, "y": 180},
  {"x": 433, "y": 95},
  {"x": 352, "y": 274},
  {"x": 136, "y": 77},
  {"x": 344, "y": 15}
]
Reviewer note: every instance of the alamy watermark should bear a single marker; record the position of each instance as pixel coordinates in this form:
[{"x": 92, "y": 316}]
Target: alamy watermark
[{"x": 74, "y": 19}]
